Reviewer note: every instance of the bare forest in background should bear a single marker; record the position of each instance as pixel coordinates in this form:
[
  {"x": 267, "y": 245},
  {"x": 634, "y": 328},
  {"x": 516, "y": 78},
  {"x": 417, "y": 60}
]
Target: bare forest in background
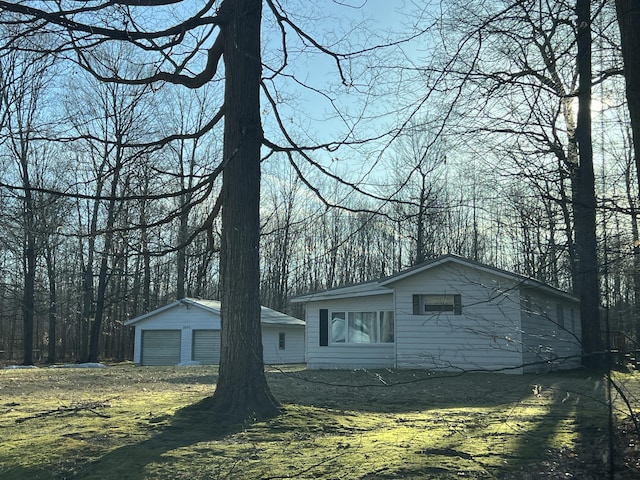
[{"x": 471, "y": 149}]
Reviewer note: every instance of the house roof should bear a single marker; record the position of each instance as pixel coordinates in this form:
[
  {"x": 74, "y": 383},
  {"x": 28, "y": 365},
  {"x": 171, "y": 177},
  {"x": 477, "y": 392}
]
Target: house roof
[
  {"x": 350, "y": 291},
  {"x": 268, "y": 316},
  {"x": 384, "y": 285}
]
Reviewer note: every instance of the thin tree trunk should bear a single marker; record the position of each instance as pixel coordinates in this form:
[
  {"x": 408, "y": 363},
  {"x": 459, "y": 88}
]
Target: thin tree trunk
[
  {"x": 28, "y": 296},
  {"x": 53, "y": 307},
  {"x": 29, "y": 265},
  {"x": 103, "y": 273},
  {"x": 181, "y": 253}
]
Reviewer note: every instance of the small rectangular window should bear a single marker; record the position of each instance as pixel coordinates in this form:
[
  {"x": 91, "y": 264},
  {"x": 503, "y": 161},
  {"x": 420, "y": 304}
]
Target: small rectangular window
[
  {"x": 437, "y": 303},
  {"x": 281, "y": 342}
]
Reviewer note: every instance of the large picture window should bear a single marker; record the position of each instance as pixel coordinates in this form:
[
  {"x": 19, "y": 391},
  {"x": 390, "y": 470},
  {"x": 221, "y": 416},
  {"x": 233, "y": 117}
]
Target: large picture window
[
  {"x": 437, "y": 303},
  {"x": 362, "y": 327}
]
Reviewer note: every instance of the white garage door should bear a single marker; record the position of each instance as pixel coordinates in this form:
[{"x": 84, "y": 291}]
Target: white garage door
[
  {"x": 206, "y": 346},
  {"x": 160, "y": 347}
]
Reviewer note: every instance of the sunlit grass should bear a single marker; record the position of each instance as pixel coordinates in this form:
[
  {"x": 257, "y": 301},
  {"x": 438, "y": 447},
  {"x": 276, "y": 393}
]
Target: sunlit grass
[{"x": 128, "y": 423}]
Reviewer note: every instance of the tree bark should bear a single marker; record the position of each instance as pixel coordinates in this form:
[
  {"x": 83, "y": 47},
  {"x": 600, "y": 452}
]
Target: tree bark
[
  {"x": 242, "y": 391},
  {"x": 29, "y": 280},
  {"x": 585, "y": 207},
  {"x": 53, "y": 301},
  {"x": 103, "y": 274},
  {"x": 628, "y": 12}
]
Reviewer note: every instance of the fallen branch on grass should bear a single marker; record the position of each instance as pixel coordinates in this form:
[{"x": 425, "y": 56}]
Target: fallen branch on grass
[{"x": 73, "y": 408}]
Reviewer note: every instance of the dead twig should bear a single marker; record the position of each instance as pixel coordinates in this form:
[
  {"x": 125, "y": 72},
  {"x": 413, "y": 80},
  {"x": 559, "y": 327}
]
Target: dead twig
[{"x": 73, "y": 408}]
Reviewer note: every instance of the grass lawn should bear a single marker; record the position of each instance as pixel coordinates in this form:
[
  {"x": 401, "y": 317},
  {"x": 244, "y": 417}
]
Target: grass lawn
[{"x": 125, "y": 422}]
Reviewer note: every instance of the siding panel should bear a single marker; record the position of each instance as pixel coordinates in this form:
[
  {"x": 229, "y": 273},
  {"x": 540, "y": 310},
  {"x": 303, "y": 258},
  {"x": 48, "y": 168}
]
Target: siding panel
[
  {"x": 485, "y": 336},
  {"x": 294, "y": 344},
  {"x": 550, "y": 342}
]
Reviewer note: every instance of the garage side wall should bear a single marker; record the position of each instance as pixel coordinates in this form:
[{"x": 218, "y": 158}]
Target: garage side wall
[
  {"x": 184, "y": 318},
  {"x": 290, "y": 350}
]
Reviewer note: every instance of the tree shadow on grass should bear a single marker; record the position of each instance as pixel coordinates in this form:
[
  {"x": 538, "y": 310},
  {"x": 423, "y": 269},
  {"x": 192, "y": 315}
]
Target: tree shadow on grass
[
  {"x": 400, "y": 391},
  {"x": 568, "y": 439},
  {"x": 544, "y": 415},
  {"x": 186, "y": 428},
  {"x": 190, "y": 445}
]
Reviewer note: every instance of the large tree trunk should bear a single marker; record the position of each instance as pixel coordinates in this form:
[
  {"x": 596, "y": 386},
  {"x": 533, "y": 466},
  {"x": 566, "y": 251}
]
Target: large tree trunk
[
  {"x": 628, "y": 12},
  {"x": 585, "y": 207},
  {"x": 242, "y": 391}
]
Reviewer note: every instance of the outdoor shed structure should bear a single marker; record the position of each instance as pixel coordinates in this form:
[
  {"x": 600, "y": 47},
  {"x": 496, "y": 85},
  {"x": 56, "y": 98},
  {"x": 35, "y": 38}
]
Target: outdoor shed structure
[
  {"x": 449, "y": 313},
  {"x": 187, "y": 332}
]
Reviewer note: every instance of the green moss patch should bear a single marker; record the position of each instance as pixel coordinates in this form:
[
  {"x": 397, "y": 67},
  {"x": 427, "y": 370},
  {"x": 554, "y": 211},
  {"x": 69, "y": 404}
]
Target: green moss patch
[{"x": 127, "y": 422}]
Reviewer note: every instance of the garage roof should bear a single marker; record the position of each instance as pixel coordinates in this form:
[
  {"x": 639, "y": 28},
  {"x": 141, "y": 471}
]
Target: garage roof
[{"x": 268, "y": 316}]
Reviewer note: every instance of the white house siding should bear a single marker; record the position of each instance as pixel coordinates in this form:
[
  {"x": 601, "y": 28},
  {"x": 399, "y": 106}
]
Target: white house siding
[
  {"x": 294, "y": 344},
  {"x": 185, "y": 318},
  {"x": 547, "y": 338},
  {"x": 485, "y": 336},
  {"x": 347, "y": 355}
]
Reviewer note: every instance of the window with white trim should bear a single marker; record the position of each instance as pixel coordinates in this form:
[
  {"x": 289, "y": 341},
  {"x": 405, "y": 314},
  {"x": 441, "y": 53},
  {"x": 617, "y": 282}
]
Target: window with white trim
[{"x": 362, "y": 327}]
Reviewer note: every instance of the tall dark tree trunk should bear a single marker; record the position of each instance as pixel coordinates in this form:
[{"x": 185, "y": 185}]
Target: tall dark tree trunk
[
  {"x": 28, "y": 263},
  {"x": 181, "y": 253},
  {"x": 420, "y": 226},
  {"x": 96, "y": 325},
  {"x": 29, "y": 266},
  {"x": 242, "y": 391},
  {"x": 585, "y": 207},
  {"x": 103, "y": 273},
  {"x": 53, "y": 303},
  {"x": 628, "y": 12},
  {"x": 87, "y": 309},
  {"x": 88, "y": 287}
]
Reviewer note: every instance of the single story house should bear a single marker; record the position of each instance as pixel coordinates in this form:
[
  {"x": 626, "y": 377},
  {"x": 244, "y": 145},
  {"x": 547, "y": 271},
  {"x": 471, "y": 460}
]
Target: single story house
[
  {"x": 187, "y": 332},
  {"x": 448, "y": 313}
]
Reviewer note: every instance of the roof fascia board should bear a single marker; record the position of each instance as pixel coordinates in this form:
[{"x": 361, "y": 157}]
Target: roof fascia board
[
  {"x": 187, "y": 301},
  {"x": 328, "y": 295}
]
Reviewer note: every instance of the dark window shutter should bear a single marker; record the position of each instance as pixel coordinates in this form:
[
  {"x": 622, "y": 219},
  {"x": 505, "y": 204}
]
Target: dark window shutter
[
  {"x": 416, "y": 305},
  {"x": 324, "y": 327},
  {"x": 457, "y": 304}
]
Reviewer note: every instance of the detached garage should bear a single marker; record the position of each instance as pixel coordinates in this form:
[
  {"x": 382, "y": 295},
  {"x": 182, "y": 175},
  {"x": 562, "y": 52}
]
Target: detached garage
[{"x": 187, "y": 332}]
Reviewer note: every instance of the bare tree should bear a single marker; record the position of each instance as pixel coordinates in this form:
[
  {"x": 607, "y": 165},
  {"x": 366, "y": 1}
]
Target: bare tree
[
  {"x": 525, "y": 64},
  {"x": 628, "y": 14},
  {"x": 585, "y": 203},
  {"x": 25, "y": 77}
]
